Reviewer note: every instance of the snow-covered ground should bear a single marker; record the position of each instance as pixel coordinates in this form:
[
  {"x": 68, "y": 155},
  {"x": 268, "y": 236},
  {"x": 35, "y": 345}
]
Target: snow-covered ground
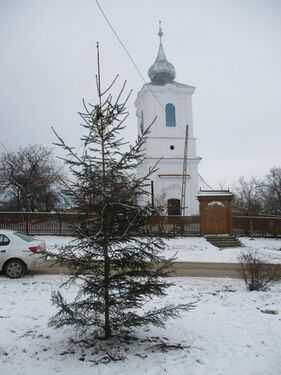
[
  {"x": 197, "y": 249},
  {"x": 230, "y": 332}
]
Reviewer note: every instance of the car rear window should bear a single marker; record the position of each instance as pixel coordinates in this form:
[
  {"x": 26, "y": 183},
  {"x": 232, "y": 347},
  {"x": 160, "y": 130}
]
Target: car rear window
[{"x": 24, "y": 237}]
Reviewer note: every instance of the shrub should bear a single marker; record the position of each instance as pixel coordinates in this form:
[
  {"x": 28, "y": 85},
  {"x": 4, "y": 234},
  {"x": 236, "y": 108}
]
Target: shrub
[{"x": 257, "y": 272}]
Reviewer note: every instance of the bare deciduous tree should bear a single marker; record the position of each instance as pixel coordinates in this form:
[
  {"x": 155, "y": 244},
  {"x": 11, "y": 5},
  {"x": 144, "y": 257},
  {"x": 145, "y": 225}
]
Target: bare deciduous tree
[
  {"x": 248, "y": 195},
  {"x": 259, "y": 196},
  {"x": 272, "y": 192},
  {"x": 30, "y": 179}
]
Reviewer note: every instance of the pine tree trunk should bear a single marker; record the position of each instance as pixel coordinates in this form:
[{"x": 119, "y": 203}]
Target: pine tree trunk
[{"x": 107, "y": 327}]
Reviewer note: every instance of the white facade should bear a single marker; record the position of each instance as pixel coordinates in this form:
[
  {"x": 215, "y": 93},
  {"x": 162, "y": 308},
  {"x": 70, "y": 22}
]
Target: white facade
[{"x": 165, "y": 144}]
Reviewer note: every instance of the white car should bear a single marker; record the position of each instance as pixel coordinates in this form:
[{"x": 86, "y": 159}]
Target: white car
[{"x": 19, "y": 253}]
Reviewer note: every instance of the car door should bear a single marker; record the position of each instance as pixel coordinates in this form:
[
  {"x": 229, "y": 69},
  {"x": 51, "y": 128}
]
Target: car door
[{"x": 4, "y": 248}]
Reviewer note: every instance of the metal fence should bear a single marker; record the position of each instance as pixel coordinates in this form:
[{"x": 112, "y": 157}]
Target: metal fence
[
  {"x": 37, "y": 223},
  {"x": 62, "y": 224}
]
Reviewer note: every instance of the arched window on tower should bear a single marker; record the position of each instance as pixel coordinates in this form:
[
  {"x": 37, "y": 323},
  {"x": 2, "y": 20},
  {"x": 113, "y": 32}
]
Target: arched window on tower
[{"x": 170, "y": 115}]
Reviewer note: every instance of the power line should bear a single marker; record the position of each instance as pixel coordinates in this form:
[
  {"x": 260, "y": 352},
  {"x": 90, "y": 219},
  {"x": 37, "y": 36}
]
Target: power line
[
  {"x": 131, "y": 59},
  {"x": 119, "y": 40}
]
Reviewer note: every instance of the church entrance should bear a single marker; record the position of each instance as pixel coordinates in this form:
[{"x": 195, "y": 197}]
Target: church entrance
[{"x": 174, "y": 206}]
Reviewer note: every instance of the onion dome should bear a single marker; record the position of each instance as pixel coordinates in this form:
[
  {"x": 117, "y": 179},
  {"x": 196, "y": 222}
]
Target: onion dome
[{"x": 162, "y": 71}]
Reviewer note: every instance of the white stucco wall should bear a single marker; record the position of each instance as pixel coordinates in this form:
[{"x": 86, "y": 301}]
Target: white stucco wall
[{"x": 151, "y": 100}]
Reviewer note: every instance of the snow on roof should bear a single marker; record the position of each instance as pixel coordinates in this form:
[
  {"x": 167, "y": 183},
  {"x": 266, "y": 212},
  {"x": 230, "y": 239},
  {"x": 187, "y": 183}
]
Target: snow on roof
[{"x": 214, "y": 193}]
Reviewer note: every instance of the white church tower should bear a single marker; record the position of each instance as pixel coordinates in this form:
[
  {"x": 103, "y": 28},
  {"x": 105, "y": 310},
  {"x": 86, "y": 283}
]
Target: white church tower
[{"x": 170, "y": 103}]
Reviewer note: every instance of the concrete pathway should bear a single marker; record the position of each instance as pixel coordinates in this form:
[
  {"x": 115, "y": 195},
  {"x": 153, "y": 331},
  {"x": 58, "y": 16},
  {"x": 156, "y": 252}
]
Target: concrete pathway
[{"x": 191, "y": 269}]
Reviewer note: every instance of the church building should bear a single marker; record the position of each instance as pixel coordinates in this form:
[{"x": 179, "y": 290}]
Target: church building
[{"x": 169, "y": 104}]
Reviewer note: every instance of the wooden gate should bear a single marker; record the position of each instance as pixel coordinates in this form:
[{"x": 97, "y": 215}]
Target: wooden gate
[
  {"x": 216, "y": 218},
  {"x": 215, "y": 212}
]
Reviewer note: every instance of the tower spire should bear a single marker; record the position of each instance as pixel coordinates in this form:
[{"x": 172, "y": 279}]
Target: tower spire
[
  {"x": 160, "y": 32},
  {"x": 162, "y": 71}
]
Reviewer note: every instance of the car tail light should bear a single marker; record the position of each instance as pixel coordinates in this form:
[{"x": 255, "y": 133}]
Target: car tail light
[{"x": 34, "y": 249}]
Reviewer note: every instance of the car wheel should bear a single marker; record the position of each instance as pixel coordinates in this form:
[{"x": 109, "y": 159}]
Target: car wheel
[{"x": 14, "y": 268}]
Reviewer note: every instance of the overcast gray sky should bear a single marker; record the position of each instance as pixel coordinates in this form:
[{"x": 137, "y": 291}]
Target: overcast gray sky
[{"x": 230, "y": 50}]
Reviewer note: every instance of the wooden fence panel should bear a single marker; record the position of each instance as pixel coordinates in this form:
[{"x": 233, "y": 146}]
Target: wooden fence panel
[{"x": 257, "y": 226}]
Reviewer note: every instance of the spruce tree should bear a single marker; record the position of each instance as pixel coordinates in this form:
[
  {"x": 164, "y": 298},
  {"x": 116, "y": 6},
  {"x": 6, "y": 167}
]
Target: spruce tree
[{"x": 114, "y": 259}]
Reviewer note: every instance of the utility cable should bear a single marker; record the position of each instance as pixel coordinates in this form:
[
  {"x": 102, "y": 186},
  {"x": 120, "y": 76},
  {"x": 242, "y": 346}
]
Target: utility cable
[{"x": 131, "y": 59}]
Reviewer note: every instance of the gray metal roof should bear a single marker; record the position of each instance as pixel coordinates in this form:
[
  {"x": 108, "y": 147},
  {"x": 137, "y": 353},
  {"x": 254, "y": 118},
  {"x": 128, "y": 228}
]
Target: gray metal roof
[{"x": 162, "y": 71}]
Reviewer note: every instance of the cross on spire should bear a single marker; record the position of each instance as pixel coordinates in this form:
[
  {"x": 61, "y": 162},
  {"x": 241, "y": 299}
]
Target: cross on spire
[{"x": 160, "y": 32}]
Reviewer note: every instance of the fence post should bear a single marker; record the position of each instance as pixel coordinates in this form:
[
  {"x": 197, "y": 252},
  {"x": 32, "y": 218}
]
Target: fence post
[{"x": 26, "y": 223}]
